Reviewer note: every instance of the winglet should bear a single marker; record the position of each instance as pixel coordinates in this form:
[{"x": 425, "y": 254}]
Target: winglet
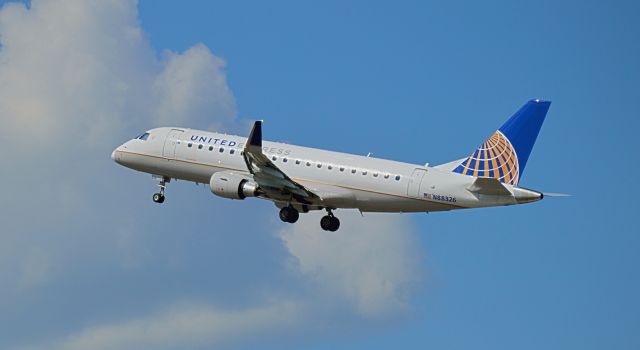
[{"x": 255, "y": 137}]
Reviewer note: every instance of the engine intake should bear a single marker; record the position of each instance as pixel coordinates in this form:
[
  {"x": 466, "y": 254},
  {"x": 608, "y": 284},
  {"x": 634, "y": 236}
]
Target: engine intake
[{"x": 233, "y": 186}]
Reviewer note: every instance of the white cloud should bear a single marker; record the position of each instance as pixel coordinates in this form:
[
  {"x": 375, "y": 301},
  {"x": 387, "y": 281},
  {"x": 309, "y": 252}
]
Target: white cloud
[
  {"x": 369, "y": 269},
  {"x": 75, "y": 69},
  {"x": 184, "y": 326},
  {"x": 77, "y": 78},
  {"x": 371, "y": 262},
  {"x": 193, "y": 86}
]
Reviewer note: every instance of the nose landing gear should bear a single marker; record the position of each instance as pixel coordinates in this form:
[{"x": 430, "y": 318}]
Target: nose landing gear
[
  {"x": 162, "y": 183},
  {"x": 158, "y": 198}
]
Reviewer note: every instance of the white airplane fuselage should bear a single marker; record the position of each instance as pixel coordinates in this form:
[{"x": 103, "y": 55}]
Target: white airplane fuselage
[{"x": 340, "y": 180}]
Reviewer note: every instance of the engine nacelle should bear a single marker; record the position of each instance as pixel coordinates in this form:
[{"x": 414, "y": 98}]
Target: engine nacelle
[{"x": 231, "y": 185}]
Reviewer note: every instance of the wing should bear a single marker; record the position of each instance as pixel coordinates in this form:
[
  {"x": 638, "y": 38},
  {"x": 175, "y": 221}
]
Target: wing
[{"x": 272, "y": 181}]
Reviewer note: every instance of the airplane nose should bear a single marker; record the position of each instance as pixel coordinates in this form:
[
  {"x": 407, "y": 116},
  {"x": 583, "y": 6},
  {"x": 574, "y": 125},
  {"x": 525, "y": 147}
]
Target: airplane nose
[{"x": 115, "y": 155}]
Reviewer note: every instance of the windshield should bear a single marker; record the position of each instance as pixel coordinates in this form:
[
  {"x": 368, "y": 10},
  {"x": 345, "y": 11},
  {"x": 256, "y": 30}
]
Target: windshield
[{"x": 142, "y": 137}]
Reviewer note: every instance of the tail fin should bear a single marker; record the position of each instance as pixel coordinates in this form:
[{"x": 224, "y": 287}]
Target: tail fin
[{"x": 504, "y": 155}]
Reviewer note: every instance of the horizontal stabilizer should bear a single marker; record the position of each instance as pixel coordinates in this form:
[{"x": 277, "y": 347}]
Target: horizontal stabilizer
[{"x": 489, "y": 186}]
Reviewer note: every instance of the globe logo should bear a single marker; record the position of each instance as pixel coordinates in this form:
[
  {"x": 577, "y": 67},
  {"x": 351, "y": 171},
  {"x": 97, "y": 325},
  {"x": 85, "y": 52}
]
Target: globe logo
[{"x": 495, "y": 158}]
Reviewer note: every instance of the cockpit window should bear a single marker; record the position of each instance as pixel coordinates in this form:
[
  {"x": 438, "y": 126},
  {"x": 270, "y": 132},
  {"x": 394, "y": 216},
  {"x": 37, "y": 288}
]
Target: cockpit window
[{"x": 144, "y": 136}]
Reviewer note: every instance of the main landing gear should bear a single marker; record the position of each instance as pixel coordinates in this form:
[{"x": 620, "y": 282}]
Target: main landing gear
[
  {"x": 162, "y": 183},
  {"x": 289, "y": 214},
  {"x": 330, "y": 222}
]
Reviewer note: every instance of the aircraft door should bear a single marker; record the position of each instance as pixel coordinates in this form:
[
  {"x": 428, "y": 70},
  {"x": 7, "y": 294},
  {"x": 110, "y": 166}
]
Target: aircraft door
[
  {"x": 173, "y": 137},
  {"x": 413, "y": 186}
]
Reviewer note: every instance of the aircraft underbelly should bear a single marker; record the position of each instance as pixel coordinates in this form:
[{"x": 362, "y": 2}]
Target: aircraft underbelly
[{"x": 389, "y": 203}]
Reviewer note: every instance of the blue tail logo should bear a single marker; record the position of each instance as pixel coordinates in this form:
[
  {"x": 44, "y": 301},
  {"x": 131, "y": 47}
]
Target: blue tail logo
[
  {"x": 504, "y": 155},
  {"x": 495, "y": 158}
]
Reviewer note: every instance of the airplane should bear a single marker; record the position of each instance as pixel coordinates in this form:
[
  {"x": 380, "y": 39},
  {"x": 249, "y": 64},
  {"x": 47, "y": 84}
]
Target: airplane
[{"x": 300, "y": 179}]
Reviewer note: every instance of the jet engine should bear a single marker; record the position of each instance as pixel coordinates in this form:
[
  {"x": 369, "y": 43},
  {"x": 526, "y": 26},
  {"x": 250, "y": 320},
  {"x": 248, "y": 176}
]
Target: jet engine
[{"x": 231, "y": 185}]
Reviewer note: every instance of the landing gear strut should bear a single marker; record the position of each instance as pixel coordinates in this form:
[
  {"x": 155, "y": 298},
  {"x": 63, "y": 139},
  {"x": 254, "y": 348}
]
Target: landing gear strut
[
  {"x": 329, "y": 222},
  {"x": 162, "y": 183},
  {"x": 289, "y": 214}
]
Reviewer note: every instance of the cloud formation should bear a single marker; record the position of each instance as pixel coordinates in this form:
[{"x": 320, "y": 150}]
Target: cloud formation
[
  {"x": 78, "y": 78},
  {"x": 370, "y": 264},
  {"x": 192, "y": 86},
  {"x": 183, "y": 326},
  {"x": 366, "y": 271},
  {"x": 75, "y": 67}
]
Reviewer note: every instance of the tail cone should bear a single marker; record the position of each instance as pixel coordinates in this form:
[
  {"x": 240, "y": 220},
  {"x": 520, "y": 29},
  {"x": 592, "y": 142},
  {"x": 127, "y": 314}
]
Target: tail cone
[{"x": 524, "y": 195}]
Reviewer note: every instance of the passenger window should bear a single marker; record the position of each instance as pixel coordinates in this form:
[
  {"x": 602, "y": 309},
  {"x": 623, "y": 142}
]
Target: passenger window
[
  {"x": 386, "y": 176},
  {"x": 284, "y": 160},
  {"x": 375, "y": 174},
  {"x": 274, "y": 158},
  {"x": 308, "y": 164},
  {"x": 297, "y": 162},
  {"x": 189, "y": 145},
  {"x": 232, "y": 151},
  {"x": 364, "y": 172},
  {"x": 341, "y": 168},
  {"x": 353, "y": 171},
  {"x": 210, "y": 148},
  {"x": 221, "y": 149},
  {"x": 199, "y": 146},
  {"x": 319, "y": 165},
  {"x": 397, "y": 177},
  {"x": 329, "y": 167}
]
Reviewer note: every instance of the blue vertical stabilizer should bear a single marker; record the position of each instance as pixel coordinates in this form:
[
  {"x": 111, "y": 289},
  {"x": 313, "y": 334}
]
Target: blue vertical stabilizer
[{"x": 504, "y": 155}]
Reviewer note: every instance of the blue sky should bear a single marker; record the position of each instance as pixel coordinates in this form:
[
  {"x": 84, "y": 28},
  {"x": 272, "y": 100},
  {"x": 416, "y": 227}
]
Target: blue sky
[{"x": 415, "y": 81}]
